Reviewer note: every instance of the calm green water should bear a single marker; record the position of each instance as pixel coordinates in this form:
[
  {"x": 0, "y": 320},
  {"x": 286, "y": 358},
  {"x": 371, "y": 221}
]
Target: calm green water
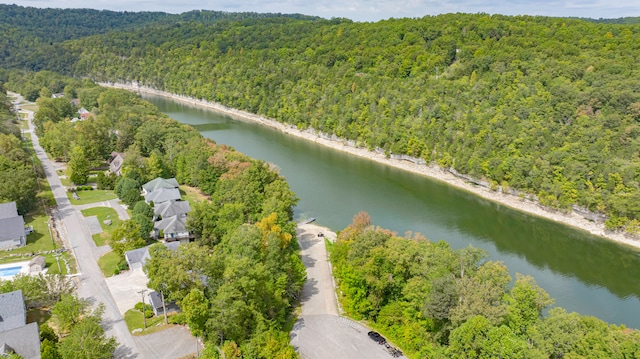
[{"x": 583, "y": 273}]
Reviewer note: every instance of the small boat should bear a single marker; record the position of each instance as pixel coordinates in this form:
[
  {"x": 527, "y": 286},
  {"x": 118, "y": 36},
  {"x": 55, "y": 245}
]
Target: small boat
[{"x": 309, "y": 220}]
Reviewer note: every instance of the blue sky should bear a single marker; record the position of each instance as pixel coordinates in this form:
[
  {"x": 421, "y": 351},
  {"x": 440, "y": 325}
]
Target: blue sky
[{"x": 364, "y": 10}]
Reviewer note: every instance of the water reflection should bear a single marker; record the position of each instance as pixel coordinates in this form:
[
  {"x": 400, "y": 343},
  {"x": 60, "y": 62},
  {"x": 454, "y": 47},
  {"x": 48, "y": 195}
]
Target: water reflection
[{"x": 583, "y": 272}]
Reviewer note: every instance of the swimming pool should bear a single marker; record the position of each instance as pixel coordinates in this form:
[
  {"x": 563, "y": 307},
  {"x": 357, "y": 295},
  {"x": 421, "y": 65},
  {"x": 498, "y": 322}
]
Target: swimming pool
[{"x": 9, "y": 271}]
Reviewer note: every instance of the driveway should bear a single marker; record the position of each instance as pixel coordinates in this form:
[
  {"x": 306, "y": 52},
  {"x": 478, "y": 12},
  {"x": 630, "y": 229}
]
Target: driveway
[
  {"x": 320, "y": 332},
  {"x": 125, "y": 288},
  {"x": 92, "y": 286}
]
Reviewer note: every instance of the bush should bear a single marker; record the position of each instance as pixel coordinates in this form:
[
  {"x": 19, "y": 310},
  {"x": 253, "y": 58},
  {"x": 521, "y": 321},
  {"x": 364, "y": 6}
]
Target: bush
[
  {"x": 147, "y": 307},
  {"x": 148, "y": 313},
  {"x": 178, "y": 319}
]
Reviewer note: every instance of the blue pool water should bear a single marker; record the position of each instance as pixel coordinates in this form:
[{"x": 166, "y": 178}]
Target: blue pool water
[{"x": 5, "y": 272}]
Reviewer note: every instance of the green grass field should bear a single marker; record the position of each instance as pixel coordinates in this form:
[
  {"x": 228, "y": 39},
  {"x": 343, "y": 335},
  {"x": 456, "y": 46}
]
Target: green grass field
[
  {"x": 109, "y": 263},
  {"x": 39, "y": 240},
  {"x": 103, "y": 214},
  {"x": 192, "y": 195},
  {"x": 87, "y": 197},
  {"x": 33, "y": 107},
  {"x": 134, "y": 320}
]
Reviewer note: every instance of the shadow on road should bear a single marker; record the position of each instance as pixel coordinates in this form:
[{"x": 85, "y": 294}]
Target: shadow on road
[
  {"x": 308, "y": 260},
  {"x": 310, "y": 289},
  {"x": 124, "y": 352}
]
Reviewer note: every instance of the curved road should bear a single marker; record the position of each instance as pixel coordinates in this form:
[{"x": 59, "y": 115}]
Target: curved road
[{"x": 320, "y": 332}]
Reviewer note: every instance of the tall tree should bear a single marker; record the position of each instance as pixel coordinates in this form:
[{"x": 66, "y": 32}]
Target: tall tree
[{"x": 78, "y": 166}]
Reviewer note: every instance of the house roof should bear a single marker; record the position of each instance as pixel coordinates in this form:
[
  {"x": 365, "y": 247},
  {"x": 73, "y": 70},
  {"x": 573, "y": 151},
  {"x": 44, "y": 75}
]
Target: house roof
[
  {"x": 171, "y": 208},
  {"x": 24, "y": 341},
  {"x": 13, "y": 313},
  {"x": 83, "y": 111},
  {"x": 175, "y": 224},
  {"x": 8, "y": 210},
  {"x": 141, "y": 255},
  {"x": 12, "y": 228},
  {"x": 159, "y": 183},
  {"x": 162, "y": 195},
  {"x": 117, "y": 160},
  {"x": 155, "y": 299}
]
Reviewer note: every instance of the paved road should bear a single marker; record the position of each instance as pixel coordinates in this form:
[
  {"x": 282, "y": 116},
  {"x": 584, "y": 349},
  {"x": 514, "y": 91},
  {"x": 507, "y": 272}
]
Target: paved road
[
  {"x": 172, "y": 343},
  {"x": 320, "y": 332},
  {"x": 92, "y": 285}
]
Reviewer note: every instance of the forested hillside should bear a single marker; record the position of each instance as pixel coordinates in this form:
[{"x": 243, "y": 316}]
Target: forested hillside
[
  {"x": 546, "y": 106},
  {"x": 32, "y": 37}
]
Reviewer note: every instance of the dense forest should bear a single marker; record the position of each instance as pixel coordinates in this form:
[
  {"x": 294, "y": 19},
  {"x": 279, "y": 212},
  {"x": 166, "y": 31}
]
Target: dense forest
[
  {"x": 237, "y": 284},
  {"x": 546, "y": 106},
  {"x": 549, "y": 107},
  {"x": 32, "y": 37},
  {"x": 439, "y": 303},
  {"x": 429, "y": 299}
]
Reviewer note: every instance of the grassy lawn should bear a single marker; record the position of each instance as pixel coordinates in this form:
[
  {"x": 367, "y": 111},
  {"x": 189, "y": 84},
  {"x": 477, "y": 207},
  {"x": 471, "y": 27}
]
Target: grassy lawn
[
  {"x": 33, "y": 107},
  {"x": 87, "y": 197},
  {"x": 133, "y": 318},
  {"x": 39, "y": 240},
  {"x": 52, "y": 263},
  {"x": 110, "y": 262},
  {"x": 192, "y": 194},
  {"x": 103, "y": 214}
]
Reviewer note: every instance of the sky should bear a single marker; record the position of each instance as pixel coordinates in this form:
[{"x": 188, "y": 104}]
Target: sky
[{"x": 363, "y": 10}]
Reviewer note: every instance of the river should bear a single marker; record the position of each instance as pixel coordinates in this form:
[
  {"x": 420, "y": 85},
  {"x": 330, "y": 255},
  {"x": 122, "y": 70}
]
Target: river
[{"x": 584, "y": 273}]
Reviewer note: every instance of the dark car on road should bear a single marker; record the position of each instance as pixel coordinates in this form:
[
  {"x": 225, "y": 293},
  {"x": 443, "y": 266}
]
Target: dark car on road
[{"x": 376, "y": 337}]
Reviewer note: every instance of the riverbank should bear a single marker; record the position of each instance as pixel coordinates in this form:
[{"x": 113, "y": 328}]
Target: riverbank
[{"x": 432, "y": 171}]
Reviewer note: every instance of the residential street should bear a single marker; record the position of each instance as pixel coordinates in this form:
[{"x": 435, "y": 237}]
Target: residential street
[
  {"x": 172, "y": 343},
  {"x": 91, "y": 285}
]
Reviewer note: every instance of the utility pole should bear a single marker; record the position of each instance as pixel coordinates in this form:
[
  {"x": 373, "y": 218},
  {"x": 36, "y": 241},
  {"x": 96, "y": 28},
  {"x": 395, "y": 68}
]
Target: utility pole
[
  {"x": 144, "y": 315},
  {"x": 57, "y": 255},
  {"x": 164, "y": 307}
]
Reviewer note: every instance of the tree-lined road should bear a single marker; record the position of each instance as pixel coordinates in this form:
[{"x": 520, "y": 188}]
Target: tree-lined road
[{"x": 171, "y": 343}]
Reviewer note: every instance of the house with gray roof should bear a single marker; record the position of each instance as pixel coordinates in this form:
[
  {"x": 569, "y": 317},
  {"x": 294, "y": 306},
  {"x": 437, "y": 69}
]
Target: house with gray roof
[
  {"x": 24, "y": 341},
  {"x": 159, "y": 183},
  {"x": 8, "y": 210},
  {"x": 171, "y": 208},
  {"x": 136, "y": 258},
  {"x": 13, "y": 312},
  {"x": 12, "y": 232},
  {"x": 172, "y": 229},
  {"x": 155, "y": 300},
  {"x": 116, "y": 162},
  {"x": 162, "y": 195},
  {"x": 16, "y": 336}
]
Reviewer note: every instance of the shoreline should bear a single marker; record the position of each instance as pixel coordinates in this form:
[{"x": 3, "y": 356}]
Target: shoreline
[{"x": 434, "y": 172}]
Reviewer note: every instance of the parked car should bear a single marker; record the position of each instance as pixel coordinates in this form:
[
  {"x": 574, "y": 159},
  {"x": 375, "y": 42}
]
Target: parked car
[{"x": 376, "y": 337}]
